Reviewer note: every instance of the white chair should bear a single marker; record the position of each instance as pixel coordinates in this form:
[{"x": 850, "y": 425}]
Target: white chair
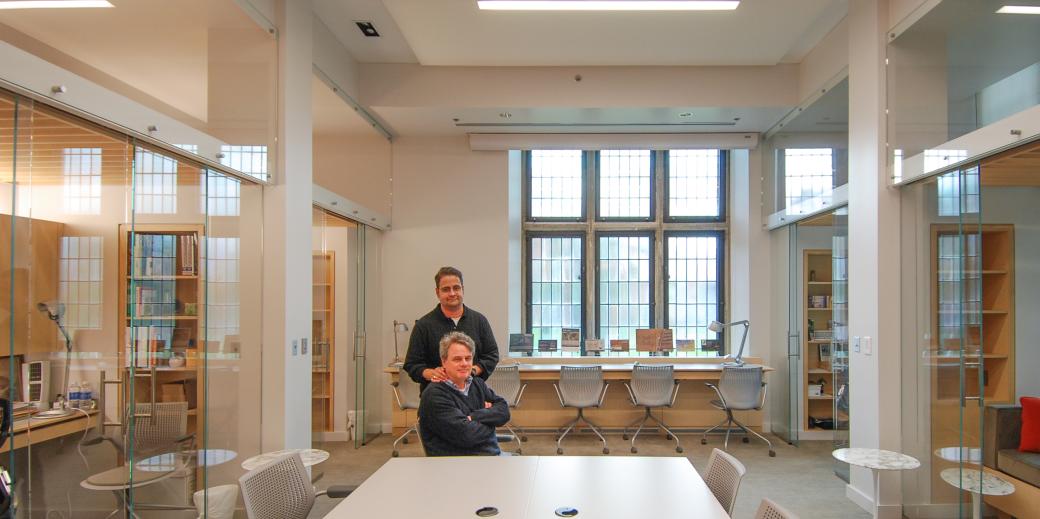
[
  {"x": 770, "y": 510},
  {"x": 505, "y": 382},
  {"x": 739, "y": 389},
  {"x": 282, "y": 489},
  {"x": 406, "y": 391},
  {"x": 581, "y": 387},
  {"x": 652, "y": 386},
  {"x": 723, "y": 478}
]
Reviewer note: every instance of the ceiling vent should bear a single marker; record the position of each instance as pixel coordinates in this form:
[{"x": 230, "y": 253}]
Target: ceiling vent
[{"x": 367, "y": 28}]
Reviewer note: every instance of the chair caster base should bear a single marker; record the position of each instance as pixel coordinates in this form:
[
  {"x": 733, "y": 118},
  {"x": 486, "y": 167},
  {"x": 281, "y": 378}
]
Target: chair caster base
[
  {"x": 745, "y": 440},
  {"x": 772, "y": 454},
  {"x": 395, "y": 454},
  {"x": 606, "y": 450},
  {"x": 559, "y": 451},
  {"x": 633, "y": 449},
  {"x": 703, "y": 441},
  {"x": 678, "y": 449}
]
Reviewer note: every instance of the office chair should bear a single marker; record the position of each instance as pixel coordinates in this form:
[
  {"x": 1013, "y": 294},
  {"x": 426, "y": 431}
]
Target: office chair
[
  {"x": 723, "y": 478},
  {"x": 505, "y": 382},
  {"x": 282, "y": 489},
  {"x": 581, "y": 387},
  {"x": 406, "y": 391},
  {"x": 652, "y": 386},
  {"x": 767, "y": 509},
  {"x": 739, "y": 389},
  {"x": 164, "y": 432}
]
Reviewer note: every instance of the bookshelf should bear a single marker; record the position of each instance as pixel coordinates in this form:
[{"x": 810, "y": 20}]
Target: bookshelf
[
  {"x": 162, "y": 298},
  {"x": 323, "y": 326},
  {"x": 817, "y": 336}
]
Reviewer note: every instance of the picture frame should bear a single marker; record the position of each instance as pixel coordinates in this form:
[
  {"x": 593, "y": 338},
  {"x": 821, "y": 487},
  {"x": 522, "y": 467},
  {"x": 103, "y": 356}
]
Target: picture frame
[{"x": 824, "y": 351}]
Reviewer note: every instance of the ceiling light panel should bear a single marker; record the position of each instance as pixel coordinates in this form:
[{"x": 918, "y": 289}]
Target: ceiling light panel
[
  {"x": 53, "y": 4},
  {"x": 1019, "y": 9},
  {"x": 608, "y": 5}
]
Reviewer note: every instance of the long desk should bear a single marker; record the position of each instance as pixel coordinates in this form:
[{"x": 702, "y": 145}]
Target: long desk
[
  {"x": 540, "y": 407},
  {"x": 520, "y": 487},
  {"x": 28, "y": 432}
]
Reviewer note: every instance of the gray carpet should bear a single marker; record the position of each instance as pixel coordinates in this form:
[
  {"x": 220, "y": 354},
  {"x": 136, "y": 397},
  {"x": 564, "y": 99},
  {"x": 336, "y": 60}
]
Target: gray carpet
[{"x": 799, "y": 478}]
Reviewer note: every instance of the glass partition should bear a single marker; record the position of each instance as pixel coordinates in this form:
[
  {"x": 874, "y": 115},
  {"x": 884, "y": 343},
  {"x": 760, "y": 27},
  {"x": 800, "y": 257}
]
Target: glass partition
[
  {"x": 133, "y": 380},
  {"x": 206, "y": 69},
  {"x": 960, "y": 68}
]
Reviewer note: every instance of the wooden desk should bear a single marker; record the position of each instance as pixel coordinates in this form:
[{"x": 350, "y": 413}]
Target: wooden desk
[
  {"x": 30, "y": 432},
  {"x": 540, "y": 407},
  {"x": 523, "y": 487}
]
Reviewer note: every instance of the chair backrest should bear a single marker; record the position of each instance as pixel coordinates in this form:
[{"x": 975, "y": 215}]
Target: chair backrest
[
  {"x": 505, "y": 382},
  {"x": 770, "y": 510},
  {"x": 723, "y": 478},
  {"x": 280, "y": 489},
  {"x": 167, "y": 425},
  {"x": 581, "y": 386},
  {"x": 652, "y": 385},
  {"x": 741, "y": 386},
  {"x": 406, "y": 391}
]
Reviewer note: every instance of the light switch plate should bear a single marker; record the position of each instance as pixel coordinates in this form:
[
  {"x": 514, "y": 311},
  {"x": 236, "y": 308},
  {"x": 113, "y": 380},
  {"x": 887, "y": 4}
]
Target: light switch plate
[
  {"x": 303, "y": 345},
  {"x": 855, "y": 344}
]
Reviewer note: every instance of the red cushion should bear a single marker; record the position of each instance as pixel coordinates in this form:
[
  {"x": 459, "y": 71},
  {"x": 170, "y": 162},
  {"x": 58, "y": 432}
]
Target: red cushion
[{"x": 1030, "y": 424}]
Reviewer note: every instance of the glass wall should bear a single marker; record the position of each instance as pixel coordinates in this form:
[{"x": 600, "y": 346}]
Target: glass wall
[
  {"x": 129, "y": 356},
  {"x": 966, "y": 359},
  {"x": 963, "y": 66}
]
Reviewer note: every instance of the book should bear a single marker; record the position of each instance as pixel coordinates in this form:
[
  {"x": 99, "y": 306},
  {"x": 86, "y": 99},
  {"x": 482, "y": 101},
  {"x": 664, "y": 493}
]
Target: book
[
  {"x": 711, "y": 346},
  {"x": 619, "y": 345},
  {"x": 665, "y": 340},
  {"x": 521, "y": 342},
  {"x": 570, "y": 339},
  {"x": 547, "y": 345},
  {"x": 686, "y": 344},
  {"x": 187, "y": 254},
  {"x": 593, "y": 345}
]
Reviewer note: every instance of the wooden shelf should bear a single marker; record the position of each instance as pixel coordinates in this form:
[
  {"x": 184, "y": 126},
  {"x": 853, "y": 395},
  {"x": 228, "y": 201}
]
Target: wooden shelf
[
  {"x": 162, "y": 317},
  {"x": 820, "y": 262},
  {"x": 323, "y": 339},
  {"x": 161, "y": 278},
  {"x": 812, "y": 283},
  {"x": 822, "y": 397},
  {"x": 820, "y": 371}
]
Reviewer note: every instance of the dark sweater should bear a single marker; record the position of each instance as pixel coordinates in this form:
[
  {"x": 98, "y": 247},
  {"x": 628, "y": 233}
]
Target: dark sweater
[
  {"x": 445, "y": 428},
  {"x": 424, "y": 343}
]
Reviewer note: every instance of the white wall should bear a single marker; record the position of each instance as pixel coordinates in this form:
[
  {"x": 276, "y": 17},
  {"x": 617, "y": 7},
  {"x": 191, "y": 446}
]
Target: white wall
[{"x": 356, "y": 167}]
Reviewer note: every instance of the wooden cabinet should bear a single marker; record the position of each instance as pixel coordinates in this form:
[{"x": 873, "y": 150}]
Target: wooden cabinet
[
  {"x": 817, "y": 337},
  {"x": 323, "y": 327},
  {"x": 33, "y": 268},
  {"x": 162, "y": 297}
]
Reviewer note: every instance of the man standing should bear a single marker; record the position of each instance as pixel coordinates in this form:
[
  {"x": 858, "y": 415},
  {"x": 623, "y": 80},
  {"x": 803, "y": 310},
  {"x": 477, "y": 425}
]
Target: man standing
[
  {"x": 458, "y": 416},
  {"x": 423, "y": 362}
]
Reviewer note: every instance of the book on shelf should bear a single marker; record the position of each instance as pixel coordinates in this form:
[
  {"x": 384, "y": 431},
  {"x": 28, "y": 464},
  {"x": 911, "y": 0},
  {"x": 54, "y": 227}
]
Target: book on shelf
[
  {"x": 654, "y": 339},
  {"x": 521, "y": 342},
  {"x": 547, "y": 345},
  {"x": 593, "y": 345},
  {"x": 187, "y": 254},
  {"x": 619, "y": 345},
  {"x": 686, "y": 344},
  {"x": 570, "y": 339},
  {"x": 144, "y": 346}
]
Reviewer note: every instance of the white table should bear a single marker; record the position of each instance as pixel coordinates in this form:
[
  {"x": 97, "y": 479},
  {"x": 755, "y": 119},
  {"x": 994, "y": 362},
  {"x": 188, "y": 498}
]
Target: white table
[
  {"x": 876, "y": 460},
  {"x": 172, "y": 460},
  {"x": 977, "y": 482},
  {"x": 522, "y": 487},
  {"x": 309, "y": 456}
]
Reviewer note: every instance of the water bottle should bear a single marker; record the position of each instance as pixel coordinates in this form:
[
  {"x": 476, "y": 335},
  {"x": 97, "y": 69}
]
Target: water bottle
[
  {"x": 86, "y": 395},
  {"x": 73, "y": 397}
]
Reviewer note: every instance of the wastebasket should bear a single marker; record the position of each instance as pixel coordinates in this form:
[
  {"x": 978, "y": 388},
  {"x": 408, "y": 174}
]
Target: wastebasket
[{"x": 220, "y": 503}]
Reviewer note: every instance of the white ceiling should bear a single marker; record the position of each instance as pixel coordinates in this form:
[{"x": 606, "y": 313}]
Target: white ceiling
[{"x": 455, "y": 32}]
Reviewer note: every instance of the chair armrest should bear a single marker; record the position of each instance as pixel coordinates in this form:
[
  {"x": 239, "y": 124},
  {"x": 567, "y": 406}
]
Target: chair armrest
[
  {"x": 675, "y": 393},
  {"x": 558, "y": 394},
  {"x": 520, "y": 395},
  {"x": 337, "y": 491},
  {"x": 717, "y": 392},
  {"x": 631, "y": 395},
  {"x": 603, "y": 394}
]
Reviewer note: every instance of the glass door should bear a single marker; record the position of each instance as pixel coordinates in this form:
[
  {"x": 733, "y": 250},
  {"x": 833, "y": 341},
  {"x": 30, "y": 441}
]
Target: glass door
[
  {"x": 361, "y": 436},
  {"x": 840, "y": 334},
  {"x": 786, "y": 348}
]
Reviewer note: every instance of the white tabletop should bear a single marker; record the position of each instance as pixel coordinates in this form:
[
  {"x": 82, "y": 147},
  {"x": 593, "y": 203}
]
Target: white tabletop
[
  {"x": 170, "y": 461},
  {"x": 309, "y": 457},
  {"x": 876, "y": 459},
  {"x": 971, "y": 455},
  {"x": 523, "y": 487},
  {"x": 977, "y": 481}
]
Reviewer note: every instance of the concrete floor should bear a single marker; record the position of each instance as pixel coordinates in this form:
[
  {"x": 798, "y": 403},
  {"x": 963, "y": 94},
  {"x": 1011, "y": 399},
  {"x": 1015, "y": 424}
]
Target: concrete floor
[{"x": 799, "y": 478}]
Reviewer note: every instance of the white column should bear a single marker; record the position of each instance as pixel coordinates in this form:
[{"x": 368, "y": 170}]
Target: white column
[
  {"x": 286, "y": 420},
  {"x": 873, "y": 260}
]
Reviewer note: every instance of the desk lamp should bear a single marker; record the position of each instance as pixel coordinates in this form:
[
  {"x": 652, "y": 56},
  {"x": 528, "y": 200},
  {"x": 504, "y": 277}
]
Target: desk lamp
[
  {"x": 717, "y": 327},
  {"x": 398, "y": 327},
  {"x": 54, "y": 312}
]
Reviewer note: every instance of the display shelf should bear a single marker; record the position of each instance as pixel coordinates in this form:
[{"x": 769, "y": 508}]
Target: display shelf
[{"x": 323, "y": 336}]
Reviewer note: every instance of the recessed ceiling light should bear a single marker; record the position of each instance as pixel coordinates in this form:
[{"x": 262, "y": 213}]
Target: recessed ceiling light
[
  {"x": 1019, "y": 9},
  {"x": 608, "y": 5},
  {"x": 367, "y": 28},
  {"x": 53, "y": 4}
]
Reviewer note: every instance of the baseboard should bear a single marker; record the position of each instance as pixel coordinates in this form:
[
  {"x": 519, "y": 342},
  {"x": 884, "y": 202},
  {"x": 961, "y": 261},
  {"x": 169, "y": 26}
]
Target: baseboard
[
  {"x": 332, "y": 436},
  {"x": 866, "y": 503},
  {"x": 933, "y": 511}
]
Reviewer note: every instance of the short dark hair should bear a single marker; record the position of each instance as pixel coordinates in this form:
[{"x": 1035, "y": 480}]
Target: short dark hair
[
  {"x": 446, "y": 271},
  {"x": 456, "y": 338}
]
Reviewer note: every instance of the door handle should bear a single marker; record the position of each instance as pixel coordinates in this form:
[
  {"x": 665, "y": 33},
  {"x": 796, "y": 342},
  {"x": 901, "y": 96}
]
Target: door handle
[
  {"x": 794, "y": 344},
  {"x": 359, "y": 346},
  {"x": 151, "y": 400},
  {"x": 101, "y": 404}
]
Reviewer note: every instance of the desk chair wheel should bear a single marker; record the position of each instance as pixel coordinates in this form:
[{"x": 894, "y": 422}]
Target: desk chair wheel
[
  {"x": 624, "y": 436},
  {"x": 559, "y": 451},
  {"x": 634, "y": 450},
  {"x": 745, "y": 440},
  {"x": 668, "y": 436},
  {"x": 704, "y": 441},
  {"x": 395, "y": 454},
  {"x": 519, "y": 452},
  {"x": 405, "y": 440},
  {"x": 772, "y": 453},
  {"x": 678, "y": 448},
  {"x": 606, "y": 450},
  {"x": 523, "y": 438}
]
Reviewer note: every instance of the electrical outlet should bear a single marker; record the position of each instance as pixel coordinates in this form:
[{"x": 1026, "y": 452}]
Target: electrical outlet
[
  {"x": 868, "y": 346},
  {"x": 295, "y": 347},
  {"x": 303, "y": 343}
]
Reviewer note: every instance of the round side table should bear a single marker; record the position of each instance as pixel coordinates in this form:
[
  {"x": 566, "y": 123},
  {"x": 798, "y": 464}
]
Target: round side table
[
  {"x": 876, "y": 460},
  {"x": 979, "y": 483},
  {"x": 309, "y": 456},
  {"x": 972, "y": 455}
]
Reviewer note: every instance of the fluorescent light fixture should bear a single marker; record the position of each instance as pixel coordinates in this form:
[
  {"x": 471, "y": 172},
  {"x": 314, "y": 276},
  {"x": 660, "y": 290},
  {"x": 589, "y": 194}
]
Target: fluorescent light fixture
[
  {"x": 1019, "y": 9},
  {"x": 53, "y": 4},
  {"x": 608, "y": 5}
]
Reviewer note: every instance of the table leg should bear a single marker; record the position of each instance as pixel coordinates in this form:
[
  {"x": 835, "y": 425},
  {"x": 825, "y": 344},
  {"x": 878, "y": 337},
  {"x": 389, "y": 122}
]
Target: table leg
[
  {"x": 877, "y": 490},
  {"x": 976, "y": 505}
]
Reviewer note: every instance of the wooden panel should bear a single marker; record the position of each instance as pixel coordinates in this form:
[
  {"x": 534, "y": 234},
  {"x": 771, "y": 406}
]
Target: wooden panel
[{"x": 35, "y": 275}]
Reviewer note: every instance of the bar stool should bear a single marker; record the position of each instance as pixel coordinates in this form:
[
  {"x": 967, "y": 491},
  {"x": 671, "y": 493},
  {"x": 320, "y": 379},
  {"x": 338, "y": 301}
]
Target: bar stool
[{"x": 652, "y": 386}]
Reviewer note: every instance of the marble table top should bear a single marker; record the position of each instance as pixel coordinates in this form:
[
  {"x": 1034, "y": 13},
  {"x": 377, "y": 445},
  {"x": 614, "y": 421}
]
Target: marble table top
[
  {"x": 169, "y": 461},
  {"x": 974, "y": 480},
  {"x": 876, "y": 459},
  {"x": 972, "y": 455},
  {"x": 309, "y": 457}
]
